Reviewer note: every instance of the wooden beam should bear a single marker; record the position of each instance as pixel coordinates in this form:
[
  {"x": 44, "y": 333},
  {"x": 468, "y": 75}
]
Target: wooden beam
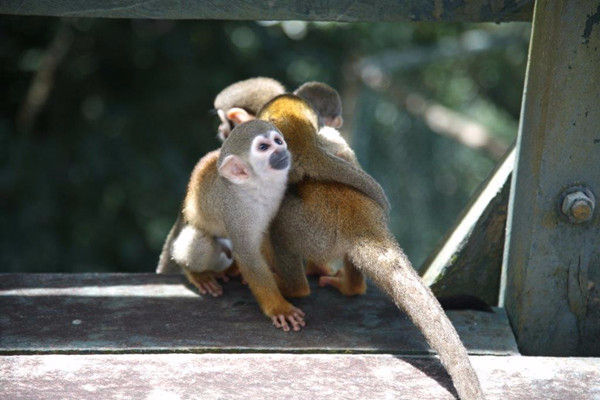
[
  {"x": 469, "y": 259},
  {"x": 287, "y": 376},
  {"x": 319, "y": 10},
  {"x": 551, "y": 271},
  {"x": 157, "y": 313}
]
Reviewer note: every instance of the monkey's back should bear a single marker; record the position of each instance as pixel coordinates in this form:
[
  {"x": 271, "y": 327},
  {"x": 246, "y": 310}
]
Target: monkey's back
[
  {"x": 201, "y": 206},
  {"x": 335, "y": 215}
]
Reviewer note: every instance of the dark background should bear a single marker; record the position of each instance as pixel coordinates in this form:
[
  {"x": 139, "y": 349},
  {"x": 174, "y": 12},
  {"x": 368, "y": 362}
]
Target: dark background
[{"x": 101, "y": 122}]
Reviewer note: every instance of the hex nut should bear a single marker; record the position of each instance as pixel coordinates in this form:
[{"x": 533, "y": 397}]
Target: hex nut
[{"x": 578, "y": 206}]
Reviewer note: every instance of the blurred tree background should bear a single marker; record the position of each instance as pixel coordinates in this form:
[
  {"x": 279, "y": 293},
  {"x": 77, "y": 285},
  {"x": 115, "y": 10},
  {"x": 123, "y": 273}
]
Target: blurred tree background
[{"x": 101, "y": 122}]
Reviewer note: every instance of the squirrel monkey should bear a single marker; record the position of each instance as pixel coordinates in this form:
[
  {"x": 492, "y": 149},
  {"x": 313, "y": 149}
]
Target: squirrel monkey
[
  {"x": 323, "y": 221},
  {"x": 250, "y": 171},
  {"x": 237, "y": 103},
  {"x": 326, "y": 101}
]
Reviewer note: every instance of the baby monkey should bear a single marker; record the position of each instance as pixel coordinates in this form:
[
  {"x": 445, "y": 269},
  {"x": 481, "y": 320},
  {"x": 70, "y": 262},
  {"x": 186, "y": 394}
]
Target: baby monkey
[
  {"x": 250, "y": 171},
  {"x": 326, "y": 101}
]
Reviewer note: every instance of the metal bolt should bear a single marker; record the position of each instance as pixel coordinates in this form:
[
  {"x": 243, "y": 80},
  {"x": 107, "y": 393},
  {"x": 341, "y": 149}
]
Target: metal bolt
[{"x": 578, "y": 205}]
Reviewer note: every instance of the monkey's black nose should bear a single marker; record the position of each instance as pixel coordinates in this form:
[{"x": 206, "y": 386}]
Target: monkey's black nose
[{"x": 279, "y": 159}]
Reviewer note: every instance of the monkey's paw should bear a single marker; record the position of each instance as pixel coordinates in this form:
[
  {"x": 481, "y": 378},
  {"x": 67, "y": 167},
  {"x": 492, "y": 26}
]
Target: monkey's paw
[
  {"x": 346, "y": 286},
  {"x": 206, "y": 282},
  {"x": 293, "y": 316}
]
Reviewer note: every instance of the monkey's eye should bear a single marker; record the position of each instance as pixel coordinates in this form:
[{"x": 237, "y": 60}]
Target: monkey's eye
[
  {"x": 278, "y": 141},
  {"x": 263, "y": 147}
]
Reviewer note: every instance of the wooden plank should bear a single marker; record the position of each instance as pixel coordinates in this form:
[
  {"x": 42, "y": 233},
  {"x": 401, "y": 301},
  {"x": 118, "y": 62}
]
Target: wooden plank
[
  {"x": 147, "y": 312},
  {"x": 469, "y": 259},
  {"x": 319, "y": 10},
  {"x": 551, "y": 275},
  {"x": 287, "y": 376}
]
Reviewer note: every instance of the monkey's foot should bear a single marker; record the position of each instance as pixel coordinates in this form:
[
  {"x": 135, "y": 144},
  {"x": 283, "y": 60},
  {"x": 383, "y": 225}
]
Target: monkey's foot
[
  {"x": 346, "y": 286},
  {"x": 233, "y": 272},
  {"x": 206, "y": 282},
  {"x": 294, "y": 317},
  {"x": 317, "y": 269}
]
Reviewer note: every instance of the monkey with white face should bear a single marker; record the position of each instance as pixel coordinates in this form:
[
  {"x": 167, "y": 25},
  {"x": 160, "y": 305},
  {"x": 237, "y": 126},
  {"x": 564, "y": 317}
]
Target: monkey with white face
[
  {"x": 250, "y": 171},
  {"x": 234, "y": 105}
]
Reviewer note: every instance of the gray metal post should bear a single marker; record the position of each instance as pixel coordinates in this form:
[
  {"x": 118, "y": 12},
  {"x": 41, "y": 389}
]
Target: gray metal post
[{"x": 551, "y": 270}]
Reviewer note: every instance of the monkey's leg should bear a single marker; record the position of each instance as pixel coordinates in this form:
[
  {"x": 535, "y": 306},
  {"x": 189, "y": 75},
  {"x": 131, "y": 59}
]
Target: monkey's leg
[
  {"x": 386, "y": 264},
  {"x": 349, "y": 280},
  {"x": 263, "y": 286},
  {"x": 289, "y": 271}
]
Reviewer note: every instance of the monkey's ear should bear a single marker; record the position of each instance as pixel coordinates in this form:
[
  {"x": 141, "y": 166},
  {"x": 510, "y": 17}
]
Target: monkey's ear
[
  {"x": 239, "y": 115},
  {"x": 337, "y": 122},
  {"x": 234, "y": 169}
]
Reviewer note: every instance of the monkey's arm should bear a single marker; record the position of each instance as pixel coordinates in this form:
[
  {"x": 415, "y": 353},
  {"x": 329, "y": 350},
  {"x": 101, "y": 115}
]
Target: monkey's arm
[
  {"x": 262, "y": 283},
  {"x": 252, "y": 251}
]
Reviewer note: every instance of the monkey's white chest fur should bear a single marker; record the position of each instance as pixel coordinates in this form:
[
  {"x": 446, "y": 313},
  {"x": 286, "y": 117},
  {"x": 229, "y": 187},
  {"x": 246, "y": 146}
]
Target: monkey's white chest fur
[{"x": 265, "y": 198}]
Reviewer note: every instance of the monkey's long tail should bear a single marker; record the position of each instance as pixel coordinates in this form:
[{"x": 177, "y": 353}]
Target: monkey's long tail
[
  {"x": 166, "y": 264},
  {"x": 387, "y": 265}
]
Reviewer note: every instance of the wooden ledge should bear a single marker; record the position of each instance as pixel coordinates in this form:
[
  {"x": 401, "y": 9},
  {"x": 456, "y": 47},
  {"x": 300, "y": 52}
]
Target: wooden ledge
[
  {"x": 287, "y": 376},
  {"x": 104, "y": 313}
]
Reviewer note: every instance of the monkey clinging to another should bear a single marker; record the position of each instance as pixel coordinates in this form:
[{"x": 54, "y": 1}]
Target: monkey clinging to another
[
  {"x": 322, "y": 221},
  {"x": 326, "y": 101}
]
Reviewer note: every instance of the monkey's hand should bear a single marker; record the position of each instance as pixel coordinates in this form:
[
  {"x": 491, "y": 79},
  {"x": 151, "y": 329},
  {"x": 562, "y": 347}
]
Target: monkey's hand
[
  {"x": 287, "y": 316},
  {"x": 206, "y": 282},
  {"x": 347, "y": 285}
]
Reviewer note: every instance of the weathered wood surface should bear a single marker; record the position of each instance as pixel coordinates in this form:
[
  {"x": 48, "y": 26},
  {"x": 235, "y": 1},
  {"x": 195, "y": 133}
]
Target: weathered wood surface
[
  {"x": 469, "y": 259},
  {"x": 552, "y": 267},
  {"x": 287, "y": 376},
  {"x": 320, "y": 10},
  {"x": 147, "y": 312}
]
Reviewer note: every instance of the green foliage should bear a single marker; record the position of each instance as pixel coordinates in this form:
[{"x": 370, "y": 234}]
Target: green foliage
[{"x": 96, "y": 184}]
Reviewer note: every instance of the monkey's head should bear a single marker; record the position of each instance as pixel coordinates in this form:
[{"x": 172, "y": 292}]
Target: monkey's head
[
  {"x": 241, "y": 101},
  {"x": 255, "y": 151},
  {"x": 295, "y": 118},
  {"x": 325, "y": 100}
]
